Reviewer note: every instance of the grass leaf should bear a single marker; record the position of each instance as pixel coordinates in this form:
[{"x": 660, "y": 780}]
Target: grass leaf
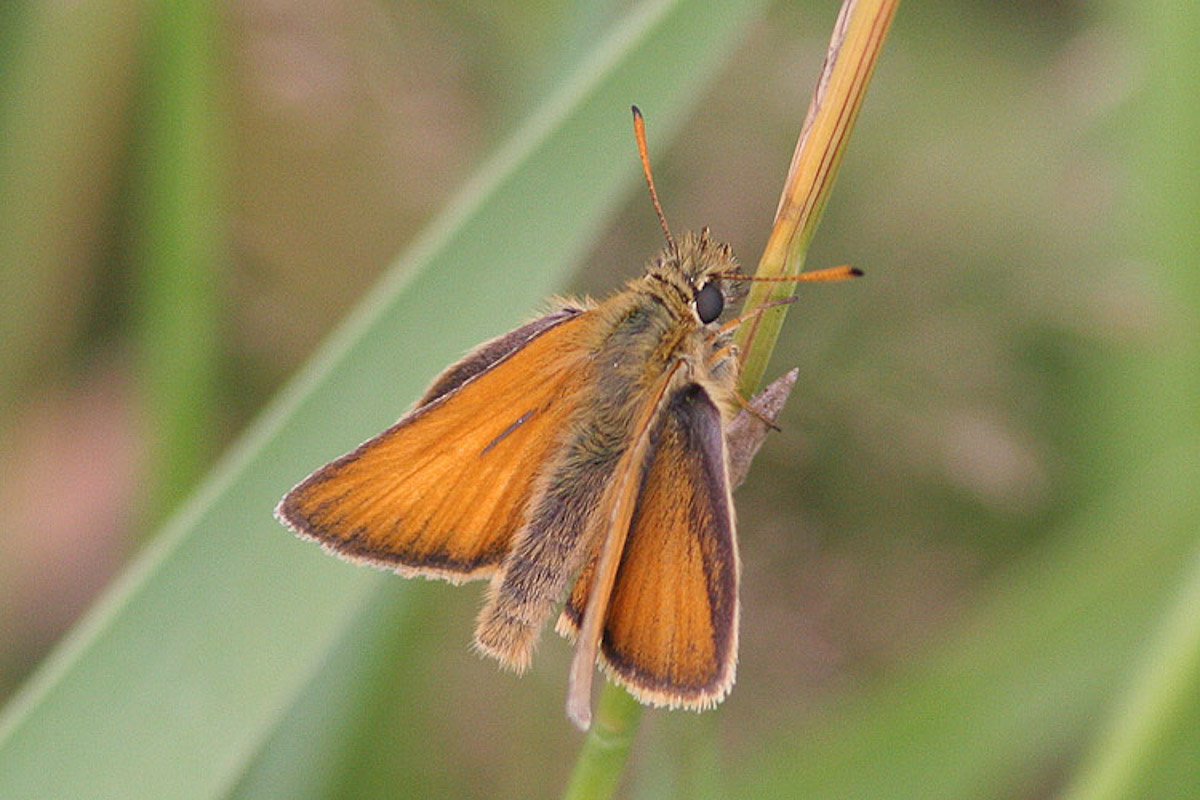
[{"x": 173, "y": 682}]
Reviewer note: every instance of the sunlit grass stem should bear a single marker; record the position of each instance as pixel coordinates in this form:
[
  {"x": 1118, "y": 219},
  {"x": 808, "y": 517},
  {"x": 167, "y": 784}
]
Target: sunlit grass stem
[{"x": 857, "y": 39}]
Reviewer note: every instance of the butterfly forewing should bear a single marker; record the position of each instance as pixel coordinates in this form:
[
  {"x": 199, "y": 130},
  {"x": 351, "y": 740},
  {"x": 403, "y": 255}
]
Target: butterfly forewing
[
  {"x": 670, "y": 631},
  {"x": 442, "y": 492}
]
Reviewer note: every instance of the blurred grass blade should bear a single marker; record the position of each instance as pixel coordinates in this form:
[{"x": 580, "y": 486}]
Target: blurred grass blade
[
  {"x": 173, "y": 682},
  {"x": 1006, "y": 704},
  {"x": 182, "y": 245},
  {"x": 323, "y": 741},
  {"x": 1008, "y": 698},
  {"x": 1162, "y": 707},
  {"x": 1151, "y": 744},
  {"x": 67, "y": 79}
]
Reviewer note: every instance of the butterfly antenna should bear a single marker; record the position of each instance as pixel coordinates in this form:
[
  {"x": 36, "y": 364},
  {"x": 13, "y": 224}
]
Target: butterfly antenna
[
  {"x": 639, "y": 132},
  {"x": 842, "y": 273}
]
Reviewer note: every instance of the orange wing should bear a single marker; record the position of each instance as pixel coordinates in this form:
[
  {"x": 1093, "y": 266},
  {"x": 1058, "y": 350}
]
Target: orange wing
[
  {"x": 442, "y": 492},
  {"x": 671, "y": 627}
]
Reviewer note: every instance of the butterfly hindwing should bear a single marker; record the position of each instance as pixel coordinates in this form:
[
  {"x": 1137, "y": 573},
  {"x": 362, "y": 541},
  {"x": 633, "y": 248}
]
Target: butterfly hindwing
[
  {"x": 442, "y": 492},
  {"x": 670, "y": 630}
]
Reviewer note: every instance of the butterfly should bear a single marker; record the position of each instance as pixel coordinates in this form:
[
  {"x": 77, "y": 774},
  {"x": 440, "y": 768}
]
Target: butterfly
[{"x": 581, "y": 459}]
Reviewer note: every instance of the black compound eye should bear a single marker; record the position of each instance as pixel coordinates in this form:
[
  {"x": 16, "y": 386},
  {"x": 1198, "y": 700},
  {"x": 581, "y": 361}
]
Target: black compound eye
[{"x": 709, "y": 302}]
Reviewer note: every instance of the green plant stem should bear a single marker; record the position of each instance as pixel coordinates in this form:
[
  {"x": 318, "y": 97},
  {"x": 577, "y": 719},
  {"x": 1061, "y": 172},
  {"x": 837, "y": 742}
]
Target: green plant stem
[
  {"x": 858, "y": 37},
  {"x": 607, "y": 745},
  {"x": 854, "y": 47}
]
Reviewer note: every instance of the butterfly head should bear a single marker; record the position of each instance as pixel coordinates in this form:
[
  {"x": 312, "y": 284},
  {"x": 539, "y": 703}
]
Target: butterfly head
[{"x": 690, "y": 273}]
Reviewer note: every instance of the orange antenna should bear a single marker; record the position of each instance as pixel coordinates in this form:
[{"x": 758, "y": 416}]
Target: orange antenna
[
  {"x": 841, "y": 273},
  {"x": 639, "y": 132}
]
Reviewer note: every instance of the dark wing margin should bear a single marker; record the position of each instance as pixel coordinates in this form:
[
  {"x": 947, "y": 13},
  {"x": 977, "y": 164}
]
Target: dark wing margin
[
  {"x": 442, "y": 491},
  {"x": 486, "y": 355},
  {"x": 671, "y": 628}
]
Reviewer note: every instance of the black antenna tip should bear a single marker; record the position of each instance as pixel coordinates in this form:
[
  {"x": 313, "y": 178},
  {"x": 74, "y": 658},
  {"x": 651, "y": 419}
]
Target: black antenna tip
[
  {"x": 856, "y": 272},
  {"x": 637, "y": 112}
]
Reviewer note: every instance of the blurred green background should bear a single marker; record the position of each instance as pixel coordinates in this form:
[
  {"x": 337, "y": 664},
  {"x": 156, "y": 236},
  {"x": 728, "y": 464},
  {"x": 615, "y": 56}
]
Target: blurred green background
[{"x": 970, "y": 557}]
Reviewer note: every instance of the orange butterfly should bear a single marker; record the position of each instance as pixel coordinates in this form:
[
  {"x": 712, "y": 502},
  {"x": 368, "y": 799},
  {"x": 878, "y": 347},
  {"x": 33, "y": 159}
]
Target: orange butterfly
[{"x": 582, "y": 455}]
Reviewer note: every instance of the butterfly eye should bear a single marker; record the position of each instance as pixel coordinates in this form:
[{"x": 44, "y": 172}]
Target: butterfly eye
[{"x": 709, "y": 302}]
